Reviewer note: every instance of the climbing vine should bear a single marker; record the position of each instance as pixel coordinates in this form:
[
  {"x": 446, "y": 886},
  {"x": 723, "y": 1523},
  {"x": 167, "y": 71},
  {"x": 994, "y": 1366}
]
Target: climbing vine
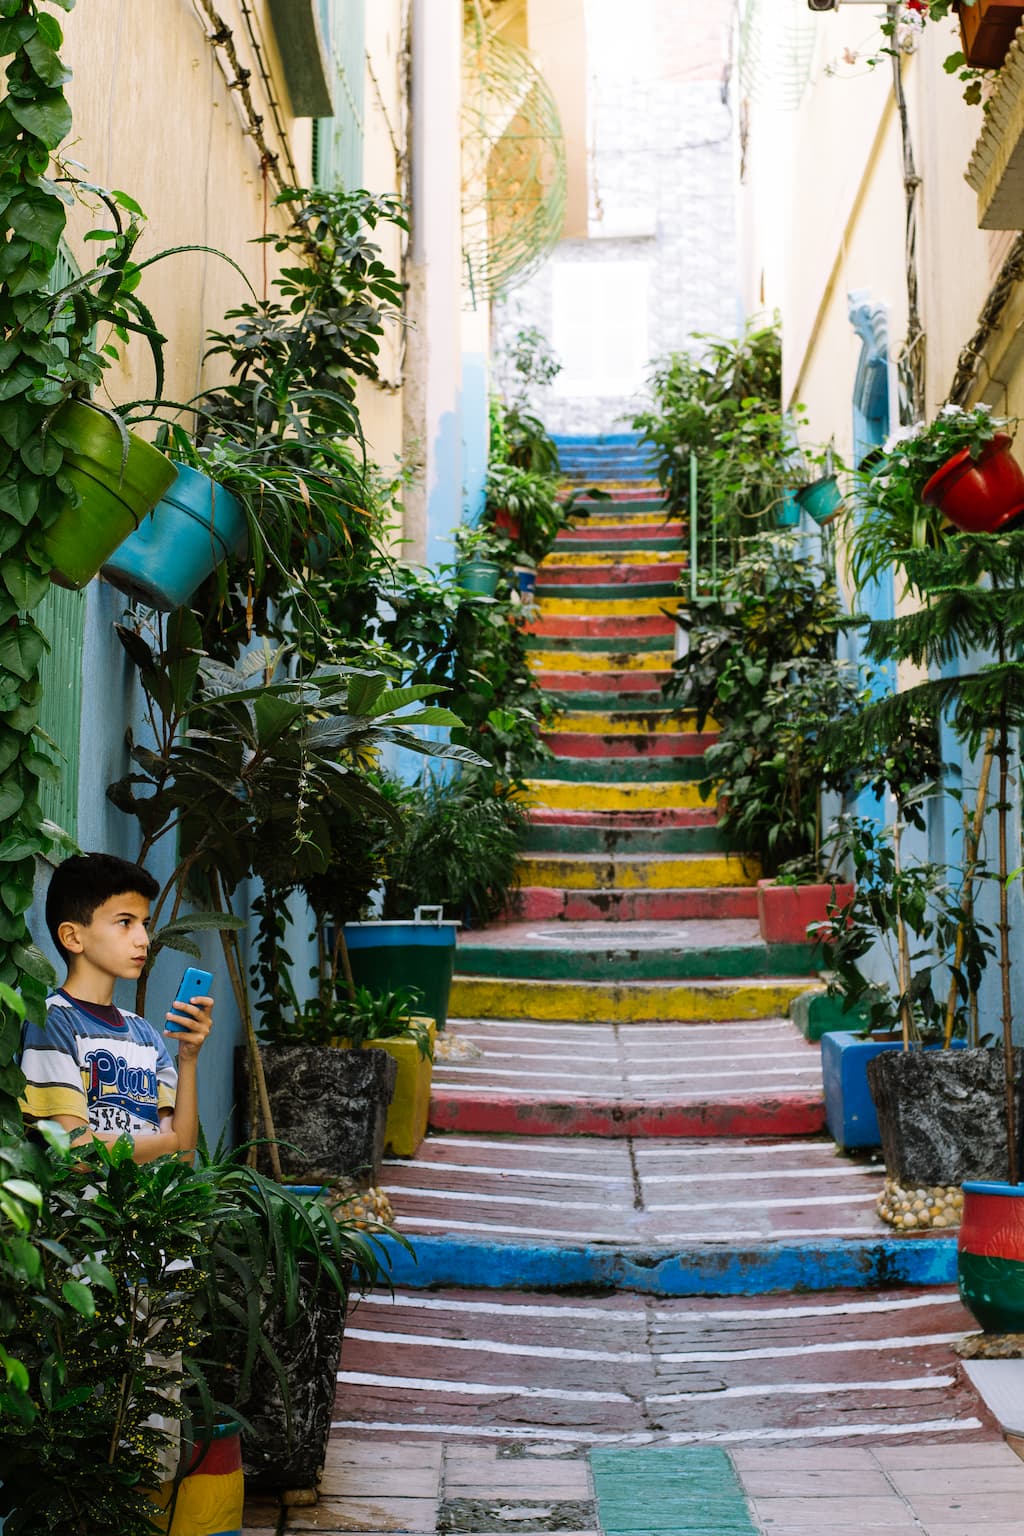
[{"x": 37, "y": 371}]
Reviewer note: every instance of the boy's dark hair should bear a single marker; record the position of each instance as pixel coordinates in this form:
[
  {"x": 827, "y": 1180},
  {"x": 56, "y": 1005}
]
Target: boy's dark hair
[{"x": 85, "y": 881}]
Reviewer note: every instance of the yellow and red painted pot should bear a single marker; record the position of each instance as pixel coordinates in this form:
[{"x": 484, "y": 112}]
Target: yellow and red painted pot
[
  {"x": 990, "y": 1255},
  {"x": 209, "y": 1499}
]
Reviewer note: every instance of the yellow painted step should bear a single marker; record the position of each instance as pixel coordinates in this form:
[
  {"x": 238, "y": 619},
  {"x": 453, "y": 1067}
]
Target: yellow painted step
[
  {"x": 484, "y": 997},
  {"x": 593, "y": 722},
  {"x": 607, "y": 607},
  {"x": 609, "y": 558},
  {"x": 625, "y": 520},
  {"x": 615, "y": 797},
  {"x": 601, "y": 661},
  {"x": 597, "y": 872}
]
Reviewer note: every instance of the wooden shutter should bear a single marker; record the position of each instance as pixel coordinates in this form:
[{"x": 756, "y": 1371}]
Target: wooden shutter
[{"x": 338, "y": 140}]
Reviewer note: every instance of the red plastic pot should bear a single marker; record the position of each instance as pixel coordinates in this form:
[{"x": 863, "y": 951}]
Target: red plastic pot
[
  {"x": 784, "y": 911},
  {"x": 506, "y": 523},
  {"x": 990, "y": 1255},
  {"x": 979, "y": 495}
]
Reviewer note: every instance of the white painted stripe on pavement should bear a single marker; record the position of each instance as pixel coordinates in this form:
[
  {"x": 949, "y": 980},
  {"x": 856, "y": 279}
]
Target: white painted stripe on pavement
[
  {"x": 645, "y": 1061},
  {"x": 850, "y": 1171},
  {"x": 498, "y": 1347},
  {"x": 759, "y": 1203},
  {"x": 537, "y": 1173},
  {"x": 735, "y": 1090},
  {"x": 475, "y": 1195},
  {"x": 834, "y": 1308},
  {"x": 506, "y": 1309},
  {"x": 756, "y": 1234},
  {"x": 803, "y": 1389},
  {"x": 478, "y": 1389},
  {"x": 448, "y": 1069},
  {"x": 643, "y": 1150},
  {"x": 912, "y": 1431},
  {"x": 547, "y": 1146},
  {"x": 784, "y": 1351}
]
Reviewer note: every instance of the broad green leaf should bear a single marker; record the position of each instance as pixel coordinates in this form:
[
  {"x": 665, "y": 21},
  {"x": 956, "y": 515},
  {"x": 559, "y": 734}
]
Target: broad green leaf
[
  {"x": 31, "y": 1194},
  {"x": 79, "y": 1296},
  {"x": 12, "y": 797},
  {"x": 21, "y": 650},
  {"x": 35, "y": 964},
  {"x": 47, "y": 118},
  {"x": 37, "y": 217},
  {"x": 46, "y": 62},
  {"x": 24, "y": 583}
]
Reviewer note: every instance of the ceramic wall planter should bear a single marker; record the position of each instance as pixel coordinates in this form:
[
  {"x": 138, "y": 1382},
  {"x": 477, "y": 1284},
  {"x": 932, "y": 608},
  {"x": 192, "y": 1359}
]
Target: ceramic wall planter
[
  {"x": 330, "y": 1110},
  {"x": 480, "y": 576},
  {"x": 194, "y": 528},
  {"x": 990, "y": 1255},
  {"x": 821, "y": 500},
  {"x": 850, "y": 1112},
  {"x": 784, "y": 911},
  {"x": 409, "y": 1111},
  {"x": 979, "y": 495},
  {"x": 987, "y": 29},
  {"x": 115, "y": 496},
  {"x": 389, "y": 955},
  {"x": 941, "y": 1114}
]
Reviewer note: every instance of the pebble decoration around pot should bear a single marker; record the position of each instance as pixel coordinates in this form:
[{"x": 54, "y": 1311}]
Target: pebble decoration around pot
[{"x": 927, "y": 1206}]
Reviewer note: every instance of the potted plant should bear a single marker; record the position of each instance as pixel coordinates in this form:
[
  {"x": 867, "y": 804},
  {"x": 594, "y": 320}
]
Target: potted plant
[
  {"x": 890, "y": 516},
  {"x": 482, "y": 555},
  {"x": 971, "y": 619},
  {"x": 388, "y": 1022}
]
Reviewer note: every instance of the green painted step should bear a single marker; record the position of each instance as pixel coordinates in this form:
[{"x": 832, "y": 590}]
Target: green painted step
[
  {"x": 621, "y": 770},
  {"x": 609, "y": 509},
  {"x": 721, "y": 961},
  {"x": 598, "y": 592},
  {"x": 686, "y": 1490},
  {"x": 569, "y": 643},
  {"x": 548, "y": 838},
  {"x": 618, "y": 703},
  {"x": 655, "y": 541}
]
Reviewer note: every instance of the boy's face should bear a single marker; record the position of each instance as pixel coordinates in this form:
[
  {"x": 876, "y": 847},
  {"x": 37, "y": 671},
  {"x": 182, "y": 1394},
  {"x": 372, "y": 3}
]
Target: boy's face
[{"x": 115, "y": 941}]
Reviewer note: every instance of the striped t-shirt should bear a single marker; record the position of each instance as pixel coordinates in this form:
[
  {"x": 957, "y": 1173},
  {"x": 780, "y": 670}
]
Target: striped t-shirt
[{"x": 117, "y": 1077}]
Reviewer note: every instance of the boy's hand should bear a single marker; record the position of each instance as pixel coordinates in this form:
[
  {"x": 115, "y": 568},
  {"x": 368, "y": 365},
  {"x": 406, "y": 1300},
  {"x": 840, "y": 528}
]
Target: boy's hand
[{"x": 190, "y": 1024}]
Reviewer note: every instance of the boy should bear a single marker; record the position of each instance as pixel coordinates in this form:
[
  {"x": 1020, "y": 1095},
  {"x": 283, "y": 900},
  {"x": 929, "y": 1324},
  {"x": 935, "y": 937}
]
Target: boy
[{"x": 94, "y": 1067}]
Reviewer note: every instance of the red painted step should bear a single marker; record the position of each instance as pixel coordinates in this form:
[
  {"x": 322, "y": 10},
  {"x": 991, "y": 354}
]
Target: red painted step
[
  {"x": 538, "y": 903},
  {"x": 609, "y": 575},
  {"x": 672, "y": 816},
  {"x": 788, "y": 1114},
  {"x": 604, "y": 625},
  {"x": 596, "y": 532},
  {"x": 602, "y": 682},
  {"x": 659, "y": 744}
]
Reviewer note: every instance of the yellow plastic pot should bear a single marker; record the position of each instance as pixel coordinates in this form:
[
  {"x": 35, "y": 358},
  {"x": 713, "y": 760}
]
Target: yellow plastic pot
[{"x": 409, "y": 1110}]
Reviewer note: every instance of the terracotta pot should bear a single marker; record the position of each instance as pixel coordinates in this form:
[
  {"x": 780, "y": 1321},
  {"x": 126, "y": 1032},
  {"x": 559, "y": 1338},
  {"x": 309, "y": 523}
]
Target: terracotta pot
[
  {"x": 784, "y": 911},
  {"x": 990, "y": 1255},
  {"x": 979, "y": 495},
  {"x": 987, "y": 28}
]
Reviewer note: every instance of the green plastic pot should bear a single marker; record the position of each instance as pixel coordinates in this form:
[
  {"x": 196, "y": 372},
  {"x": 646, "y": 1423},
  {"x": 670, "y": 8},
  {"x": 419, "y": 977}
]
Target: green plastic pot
[
  {"x": 822, "y": 499},
  {"x": 115, "y": 497},
  {"x": 480, "y": 576}
]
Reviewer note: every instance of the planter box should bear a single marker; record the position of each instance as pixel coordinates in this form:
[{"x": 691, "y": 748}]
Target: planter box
[
  {"x": 942, "y": 1114},
  {"x": 987, "y": 29},
  {"x": 784, "y": 911},
  {"x": 409, "y": 1111},
  {"x": 330, "y": 1107},
  {"x": 850, "y": 1112}
]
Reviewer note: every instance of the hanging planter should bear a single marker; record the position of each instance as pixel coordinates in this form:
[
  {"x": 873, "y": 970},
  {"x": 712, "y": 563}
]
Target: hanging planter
[
  {"x": 787, "y": 511},
  {"x": 987, "y": 28},
  {"x": 990, "y": 1255},
  {"x": 821, "y": 499},
  {"x": 194, "y": 528},
  {"x": 116, "y": 493},
  {"x": 480, "y": 576},
  {"x": 981, "y": 495}
]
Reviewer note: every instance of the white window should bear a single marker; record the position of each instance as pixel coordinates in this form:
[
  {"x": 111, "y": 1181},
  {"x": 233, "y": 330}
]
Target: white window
[{"x": 600, "y": 326}]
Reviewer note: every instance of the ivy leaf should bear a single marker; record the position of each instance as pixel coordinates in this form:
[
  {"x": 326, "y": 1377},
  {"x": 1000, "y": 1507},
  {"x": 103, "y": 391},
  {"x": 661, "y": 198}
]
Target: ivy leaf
[
  {"x": 16, "y": 898},
  {"x": 47, "y": 118},
  {"x": 15, "y": 33},
  {"x": 37, "y": 217},
  {"x": 46, "y": 62},
  {"x": 21, "y": 650},
  {"x": 24, "y": 582},
  {"x": 12, "y": 798}
]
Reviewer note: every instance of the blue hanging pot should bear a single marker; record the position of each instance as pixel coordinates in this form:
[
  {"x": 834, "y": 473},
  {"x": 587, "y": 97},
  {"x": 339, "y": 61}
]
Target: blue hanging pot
[
  {"x": 787, "y": 511},
  {"x": 821, "y": 500},
  {"x": 193, "y": 529}
]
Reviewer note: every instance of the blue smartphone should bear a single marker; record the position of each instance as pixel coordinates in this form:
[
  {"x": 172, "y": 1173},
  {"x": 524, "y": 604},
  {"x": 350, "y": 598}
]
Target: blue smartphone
[{"x": 194, "y": 983}]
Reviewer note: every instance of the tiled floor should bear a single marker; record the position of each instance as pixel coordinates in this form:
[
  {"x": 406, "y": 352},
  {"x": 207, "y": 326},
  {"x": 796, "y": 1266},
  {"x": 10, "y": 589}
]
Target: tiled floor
[{"x": 929, "y": 1489}]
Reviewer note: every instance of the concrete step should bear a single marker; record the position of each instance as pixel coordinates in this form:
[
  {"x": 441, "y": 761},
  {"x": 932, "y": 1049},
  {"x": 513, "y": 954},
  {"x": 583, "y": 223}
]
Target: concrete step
[
  {"x": 626, "y": 504},
  {"x": 654, "y": 768},
  {"x": 627, "y": 722},
  {"x": 595, "y": 595},
  {"x": 617, "y": 819},
  {"x": 597, "y": 1002},
  {"x": 637, "y": 534},
  {"x": 562, "y": 838},
  {"x": 599, "y": 643},
  {"x": 614, "y": 797},
  {"x": 587, "y": 559},
  {"x": 598, "y": 687},
  {"x": 569, "y": 660},
  {"x": 549, "y": 904},
  {"x": 601, "y": 573},
  {"x": 644, "y": 952},
  {"x": 645, "y": 872},
  {"x": 620, "y": 747},
  {"x": 582, "y": 695},
  {"x": 655, "y": 628},
  {"x": 611, "y": 606}
]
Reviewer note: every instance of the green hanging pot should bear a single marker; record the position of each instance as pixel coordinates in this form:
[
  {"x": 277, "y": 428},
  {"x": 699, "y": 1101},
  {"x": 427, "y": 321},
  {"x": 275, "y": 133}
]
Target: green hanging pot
[
  {"x": 821, "y": 500},
  {"x": 116, "y": 495},
  {"x": 480, "y": 576}
]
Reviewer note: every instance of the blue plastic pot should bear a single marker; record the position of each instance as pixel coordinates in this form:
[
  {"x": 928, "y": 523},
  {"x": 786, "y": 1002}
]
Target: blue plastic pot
[
  {"x": 850, "y": 1112},
  {"x": 480, "y": 577},
  {"x": 787, "y": 512},
  {"x": 822, "y": 500},
  {"x": 195, "y": 527},
  {"x": 527, "y": 581}
]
